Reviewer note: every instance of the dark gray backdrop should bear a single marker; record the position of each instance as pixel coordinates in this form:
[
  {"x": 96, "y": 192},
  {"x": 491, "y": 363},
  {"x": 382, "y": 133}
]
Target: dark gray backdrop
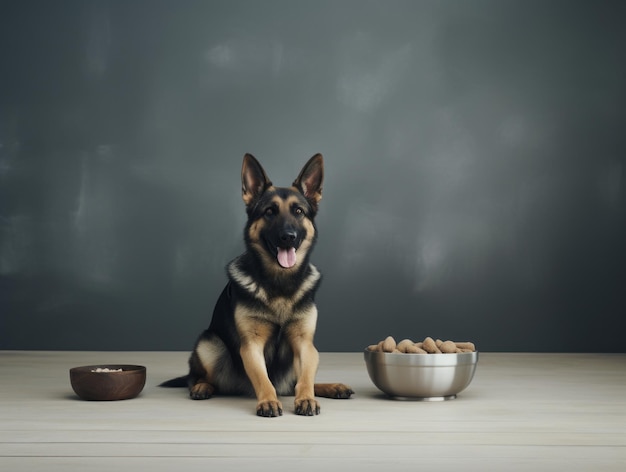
[{"x": 475, "y": 180}]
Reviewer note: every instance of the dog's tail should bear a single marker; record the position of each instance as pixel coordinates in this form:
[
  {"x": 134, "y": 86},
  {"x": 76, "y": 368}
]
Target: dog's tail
[{"x": 178, "y": 382}]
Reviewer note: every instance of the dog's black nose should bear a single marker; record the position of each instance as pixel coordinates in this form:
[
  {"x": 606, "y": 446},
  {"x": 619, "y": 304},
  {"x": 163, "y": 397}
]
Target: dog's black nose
[{"x": 288, "y": 236}]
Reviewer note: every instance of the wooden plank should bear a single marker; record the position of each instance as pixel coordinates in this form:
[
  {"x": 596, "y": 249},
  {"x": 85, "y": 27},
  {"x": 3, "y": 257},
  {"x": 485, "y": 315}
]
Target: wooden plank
[
  {"x": 486, "y": 458},
  {"x": 374, "y": 438},
  {"x": 305, "y": 449}
]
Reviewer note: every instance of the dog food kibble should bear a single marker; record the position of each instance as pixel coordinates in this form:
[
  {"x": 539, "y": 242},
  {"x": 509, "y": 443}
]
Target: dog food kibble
[
  {"x": 415, "y": 350},
  {"x": 427, "y": 346},
  {"x": 448, "y": 347},
  {"x": 430, "y": 346},
  {"x": 389, "y": 344},
  {"x": 404, "y": 345},
  {"x": 466, "y": 347}
]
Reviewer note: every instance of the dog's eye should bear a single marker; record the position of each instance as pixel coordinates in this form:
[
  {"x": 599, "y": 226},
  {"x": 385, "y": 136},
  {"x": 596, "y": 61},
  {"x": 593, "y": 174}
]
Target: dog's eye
[
  {"x": 298, "y": 211},
  {"x": 271, "y": 211}
]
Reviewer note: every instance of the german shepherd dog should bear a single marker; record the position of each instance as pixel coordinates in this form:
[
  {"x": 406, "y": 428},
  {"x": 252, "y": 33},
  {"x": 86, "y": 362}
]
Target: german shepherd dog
[{"x": 260, "y": 339}]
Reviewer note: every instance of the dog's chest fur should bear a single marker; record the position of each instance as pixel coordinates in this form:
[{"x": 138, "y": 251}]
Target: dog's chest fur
[{"x": 278, "y": 308}]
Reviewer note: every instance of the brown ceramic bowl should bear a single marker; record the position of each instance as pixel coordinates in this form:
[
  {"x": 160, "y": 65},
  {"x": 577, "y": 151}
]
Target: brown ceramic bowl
[{"x": 91, "y": 384}]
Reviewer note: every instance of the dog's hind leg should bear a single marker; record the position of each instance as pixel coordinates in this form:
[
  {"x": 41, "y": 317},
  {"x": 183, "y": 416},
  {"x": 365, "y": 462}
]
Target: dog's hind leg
[
  {"x": 201, "y": 368},
  {"x": 201, "y": 390},
  {"x": 333, "y": 390}
]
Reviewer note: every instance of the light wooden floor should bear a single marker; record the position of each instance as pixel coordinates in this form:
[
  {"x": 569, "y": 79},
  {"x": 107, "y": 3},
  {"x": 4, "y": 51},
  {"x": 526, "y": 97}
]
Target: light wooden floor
[{"x": 522, "y": 412}]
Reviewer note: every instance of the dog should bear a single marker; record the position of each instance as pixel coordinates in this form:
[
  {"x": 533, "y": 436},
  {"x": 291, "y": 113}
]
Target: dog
[{"x": 260, "y": 338}]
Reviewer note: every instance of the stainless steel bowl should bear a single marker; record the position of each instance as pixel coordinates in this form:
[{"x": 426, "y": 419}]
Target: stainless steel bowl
[{"x": 428, "y": 377}]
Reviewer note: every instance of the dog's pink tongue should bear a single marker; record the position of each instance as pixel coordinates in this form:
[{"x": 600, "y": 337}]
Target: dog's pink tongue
[{"x": 287, "y": 257}]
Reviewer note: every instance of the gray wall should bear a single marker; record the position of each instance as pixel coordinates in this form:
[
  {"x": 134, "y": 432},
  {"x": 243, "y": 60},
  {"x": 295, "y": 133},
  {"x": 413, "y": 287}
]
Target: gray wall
[{"x": 475, "y": 166}]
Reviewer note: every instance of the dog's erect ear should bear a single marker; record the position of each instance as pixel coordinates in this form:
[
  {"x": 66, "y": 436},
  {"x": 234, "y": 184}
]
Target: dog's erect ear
[
  {"x": 309, "y": 182},
  {"x": 254, "y": 181}
]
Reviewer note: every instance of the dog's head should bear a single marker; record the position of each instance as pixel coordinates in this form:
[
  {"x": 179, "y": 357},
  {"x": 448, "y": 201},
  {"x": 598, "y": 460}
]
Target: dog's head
[{"x": 281, "y": 228}]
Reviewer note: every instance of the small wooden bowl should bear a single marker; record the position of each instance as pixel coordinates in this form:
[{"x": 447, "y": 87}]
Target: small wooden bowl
[{"x": 90, "y": 384}]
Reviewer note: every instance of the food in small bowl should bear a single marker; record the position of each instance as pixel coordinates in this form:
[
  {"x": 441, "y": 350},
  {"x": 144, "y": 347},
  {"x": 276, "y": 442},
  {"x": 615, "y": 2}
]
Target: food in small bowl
[
  {"x": 108, "y": 382},
  {"x": 423, "y": 375}
]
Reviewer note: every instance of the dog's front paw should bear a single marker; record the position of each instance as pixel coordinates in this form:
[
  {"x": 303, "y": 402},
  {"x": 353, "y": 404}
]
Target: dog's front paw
[
  {"x": 269, "y": 409},
  {"x": 307, "y": 407}
]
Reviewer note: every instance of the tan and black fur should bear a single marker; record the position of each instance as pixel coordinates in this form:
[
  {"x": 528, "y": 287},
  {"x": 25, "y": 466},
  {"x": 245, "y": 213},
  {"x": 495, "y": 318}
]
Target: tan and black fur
[{"x": 260, "y": 339}]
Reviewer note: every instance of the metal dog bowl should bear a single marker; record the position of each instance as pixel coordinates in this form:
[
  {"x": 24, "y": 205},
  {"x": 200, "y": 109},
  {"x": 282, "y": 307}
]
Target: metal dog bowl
[{"x": 429, "y": 377}]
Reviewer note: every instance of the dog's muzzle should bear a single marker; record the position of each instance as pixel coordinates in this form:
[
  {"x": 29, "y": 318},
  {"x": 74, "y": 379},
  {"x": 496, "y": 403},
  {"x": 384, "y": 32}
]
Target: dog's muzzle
[{"x": 286, "y": 251}]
